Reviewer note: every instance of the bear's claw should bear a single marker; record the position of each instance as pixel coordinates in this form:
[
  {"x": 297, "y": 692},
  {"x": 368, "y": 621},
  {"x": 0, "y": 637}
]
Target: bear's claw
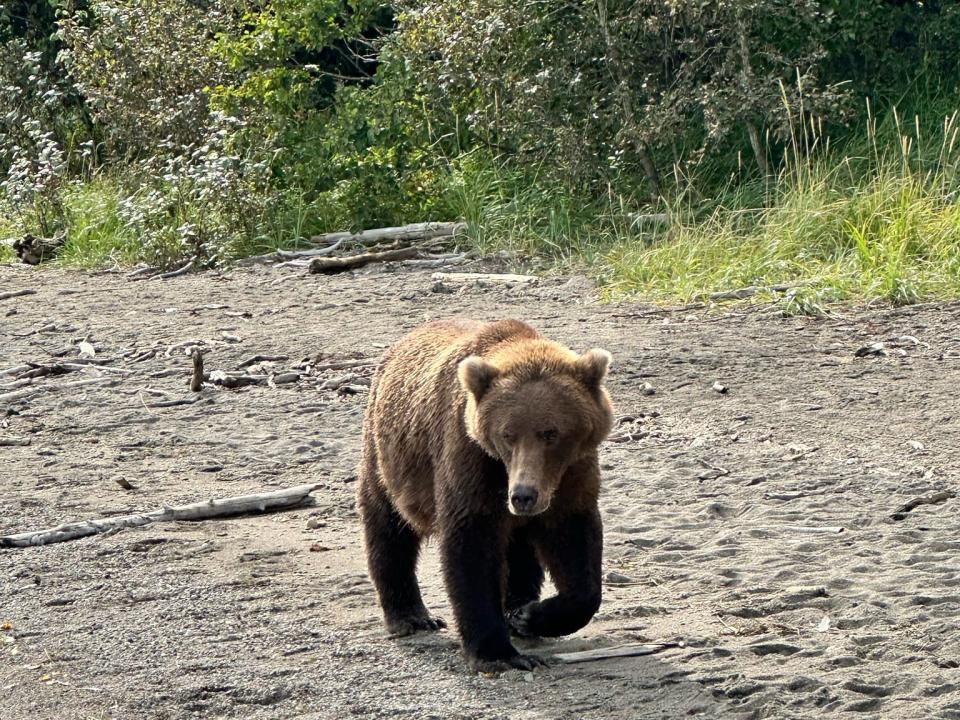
[
  {"x": 411, "y": 624},
  {"x": 516, "y": 662}
]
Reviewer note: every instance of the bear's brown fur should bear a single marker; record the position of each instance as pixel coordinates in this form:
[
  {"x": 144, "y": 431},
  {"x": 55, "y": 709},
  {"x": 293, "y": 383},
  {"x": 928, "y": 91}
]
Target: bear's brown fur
[{"x": 486, "y": 436}]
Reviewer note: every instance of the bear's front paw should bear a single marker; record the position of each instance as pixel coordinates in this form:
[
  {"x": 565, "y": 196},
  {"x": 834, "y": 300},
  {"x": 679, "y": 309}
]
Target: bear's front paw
[
  {"x": 411, "y": 624},
  {"x": 522, "y": 621},
  {"x": 514, "y": 662}
]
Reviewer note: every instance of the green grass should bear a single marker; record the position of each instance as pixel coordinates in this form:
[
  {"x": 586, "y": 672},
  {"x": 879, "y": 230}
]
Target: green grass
[
  {"x": 8, "y": 231},
  {"x": 879, "y": 221},
  {"x": 96, "y": 234}
]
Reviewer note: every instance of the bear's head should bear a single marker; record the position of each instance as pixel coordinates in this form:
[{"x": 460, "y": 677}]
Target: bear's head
[{"x": 539, "y": 408}]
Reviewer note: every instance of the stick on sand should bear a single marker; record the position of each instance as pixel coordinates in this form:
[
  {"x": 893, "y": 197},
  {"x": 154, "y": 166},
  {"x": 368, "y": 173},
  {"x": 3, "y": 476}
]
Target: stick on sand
[{"x": 261, "y": 502}]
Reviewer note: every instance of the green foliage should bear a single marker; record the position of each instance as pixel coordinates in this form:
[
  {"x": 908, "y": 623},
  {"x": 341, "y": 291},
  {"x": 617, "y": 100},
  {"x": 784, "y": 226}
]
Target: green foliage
[
  {"x": 161, "y": 130},
  {"x": 887, "y": 227}
]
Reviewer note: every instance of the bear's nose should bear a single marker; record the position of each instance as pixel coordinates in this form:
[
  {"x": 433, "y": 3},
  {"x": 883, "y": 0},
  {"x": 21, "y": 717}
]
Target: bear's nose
[{"x": 523, "y": 498}]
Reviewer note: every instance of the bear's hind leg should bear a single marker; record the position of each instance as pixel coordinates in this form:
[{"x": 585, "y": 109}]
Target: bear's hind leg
[
  {"x": 524, "y": 572},
  {"x": 392, "y": 550}
]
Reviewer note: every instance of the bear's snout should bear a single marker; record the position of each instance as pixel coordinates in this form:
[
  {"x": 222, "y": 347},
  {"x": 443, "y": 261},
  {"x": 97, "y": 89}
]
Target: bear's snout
[{"x": 523, "y": 499}]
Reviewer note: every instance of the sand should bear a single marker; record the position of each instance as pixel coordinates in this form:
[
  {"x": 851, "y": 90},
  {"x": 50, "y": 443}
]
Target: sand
[{"x": 721, "y": 510}]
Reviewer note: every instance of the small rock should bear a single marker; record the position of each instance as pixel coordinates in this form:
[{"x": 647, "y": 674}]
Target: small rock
[
  {"x": 314, "y": 523},
  {"x": 317, "y": 547},
  {"x": 877, "y": 349},
  {"x": 719, "y": 387},
  {"x": 648, "y": 389},
  {"x": 528, "y": 677},
  {"x": 774, "y": 648},
  {"x": 285, "y": 378},
  {"x": 824, "y": 624},
  {"x": 615, "y": 578},
  {"x": 915, "y": 445}
]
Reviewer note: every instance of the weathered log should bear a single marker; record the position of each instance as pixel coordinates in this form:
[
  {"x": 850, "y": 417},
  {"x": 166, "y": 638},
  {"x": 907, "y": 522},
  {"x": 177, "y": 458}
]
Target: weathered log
[
  {"x": 413, "y": 233},
  {"x": 182, "y": 270},
  {"x": 46, "y": 389},
  {"x": 260, "y": 502},
  {"x": 334, "y": 265},
  {"x": 619, "y": 651},
  {"x": 16, "y": 293},
  {"x": 934, "y": 499}
]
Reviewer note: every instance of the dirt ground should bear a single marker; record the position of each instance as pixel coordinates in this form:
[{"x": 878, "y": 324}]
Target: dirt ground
[{"x": 721, "y": 509}]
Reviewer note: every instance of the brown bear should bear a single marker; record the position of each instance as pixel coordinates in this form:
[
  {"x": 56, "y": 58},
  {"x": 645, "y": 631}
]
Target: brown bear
[{"x": 486, "y": 435}]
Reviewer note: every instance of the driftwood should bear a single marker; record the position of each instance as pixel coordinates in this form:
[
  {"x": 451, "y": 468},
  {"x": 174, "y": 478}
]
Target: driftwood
[
  {"x": 16, "y": 293},
  {"x": 261, "y": 502},
  {"x": 261, "y": 358},
  {"x": 315, "y": 252},
  {"x": 402, "y": 235},
  {"x": 31, "y": 391},
  {"x": 749, "y": 291},
  {"x": 411, "y": 233},
  {"x": 619, "y": 651},
  {"x": 439, "y": 260},
  {"x": 489, "y": 278},
  {"x": 340, "y": 364},
  {"x": 351, "y": 262},
  {"x": 182, "y": 270},
  {"x": 818, "y": 530},
  {"x": 196, "y": 382},
  {"x": 901, "y": 512}
]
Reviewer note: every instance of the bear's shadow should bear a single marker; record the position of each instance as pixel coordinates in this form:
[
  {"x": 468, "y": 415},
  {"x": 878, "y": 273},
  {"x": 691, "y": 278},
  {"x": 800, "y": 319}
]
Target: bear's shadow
[{"x": 634, "y": 685}]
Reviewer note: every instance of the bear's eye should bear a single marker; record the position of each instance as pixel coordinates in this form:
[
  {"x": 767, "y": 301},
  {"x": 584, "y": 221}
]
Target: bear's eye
[
  {"x": 548, "y": 436},
  {"x": 509, "y": 438}
]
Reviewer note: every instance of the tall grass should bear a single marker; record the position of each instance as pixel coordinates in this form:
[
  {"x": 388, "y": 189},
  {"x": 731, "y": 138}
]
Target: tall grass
[
  {"x": 881, "y": 223},
  {"x": 96, "y": 236},
  {"x": 878, "y": 219}
]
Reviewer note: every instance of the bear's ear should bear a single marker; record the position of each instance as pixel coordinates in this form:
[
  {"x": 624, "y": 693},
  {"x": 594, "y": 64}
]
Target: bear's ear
[
  {"x": 476, "y": 375},
  {"x": 592, "y": 366}
]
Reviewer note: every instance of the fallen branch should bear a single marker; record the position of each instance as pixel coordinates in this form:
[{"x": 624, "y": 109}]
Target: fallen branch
[
  {"x": 16, "y": 369},
  {"x": 351, "y": 262},
  {"x": 261, "y": 502},
  {"x": 47, "y": 389},
  {"x": 818, "y": 530},
  {"x": 315, "y": 252},
  {"x": 142, "y": 273},
  {"x": 341, "y": 364},
  {"x": 183, "y": 270},
  {"x": 935, "y": 499},
  {"x": 439, "y": 261},
  {"x": 261, "y": 358},
  {"x": 749, "y": 291},
  {"x": 491, "y": 278},
  {"x": 16, "y": 293},
  {"x": 413, "y": 232},
  {"x": 619, "y": 651}
]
